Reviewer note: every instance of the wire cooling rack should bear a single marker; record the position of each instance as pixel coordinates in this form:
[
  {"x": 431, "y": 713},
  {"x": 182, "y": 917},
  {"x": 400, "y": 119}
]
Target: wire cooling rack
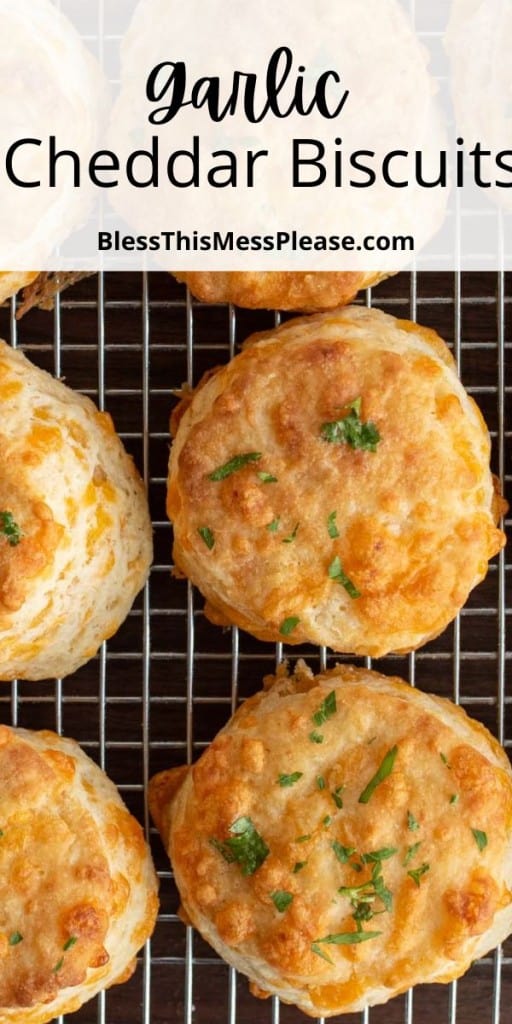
[{"x": 162, "y": 687}]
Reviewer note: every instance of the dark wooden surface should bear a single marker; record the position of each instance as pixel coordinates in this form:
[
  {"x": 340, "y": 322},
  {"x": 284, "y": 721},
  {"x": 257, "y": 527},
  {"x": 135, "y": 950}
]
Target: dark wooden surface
[{"x": 161, "y": 676}]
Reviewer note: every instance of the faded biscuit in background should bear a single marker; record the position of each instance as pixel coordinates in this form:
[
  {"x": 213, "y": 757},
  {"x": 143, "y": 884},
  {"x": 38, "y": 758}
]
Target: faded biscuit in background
[
  {"x": 343, "y": 838},
  {"x": 78, "y": 888},
  {"x": 75, "y": 532},
  {"x": 332, "y": 484}
]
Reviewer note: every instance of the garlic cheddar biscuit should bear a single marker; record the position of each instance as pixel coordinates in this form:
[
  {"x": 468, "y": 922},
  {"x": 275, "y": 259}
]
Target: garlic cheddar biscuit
[
  {"x": 279, "y": 290},
  {"x": 75, "y": 532},
  {"x": 331, "y": 484},
  {"x": 343, "y": 838},
  {"x": 78, "y": 889}
]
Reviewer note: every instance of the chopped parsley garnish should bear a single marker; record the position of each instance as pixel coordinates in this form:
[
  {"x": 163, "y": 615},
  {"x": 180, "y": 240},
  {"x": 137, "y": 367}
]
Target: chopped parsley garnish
[
  {"x": 417, "y": 873},
  {"x": 412, "y": 824},
  {"x": 298, "y": 866},
  {"x": 352, "y": 431},
  {"x": 480, "y": 838},
  {"x": 59, "y": 965},
  {"x": 411, "y": 852},
  {"x": 245, "y": 846},
  {"x": 70, "y": 943},
  {"x": 234, "y": 465},
  {"x": 281, "y": 900},
  {"x": 10, "y": 529},
  {"x": 385, "y": 769},
  {"x": 15, "y": 938},
  {"x": 267, "y": 478},
  {"x": 378, "y": 855},
  {"x": 342, "y": 852},
  {"x": 337, "y": 574},
  {"x": 364, "y": 912},
  {"x": 444, "y": 759},
  {"x": 337, "y": 797},
  {"x": 291, "y": 538},
  {"x": 454, "y": 799},
  {"x": 289, "y": 780},
  {"x": 288, "y": 625},
  {"x": 327, "y": 820},
  {"x": 326, "y": 710},
  {"x": 367, "y": 892},
  {"x": 303, "y": 839},
  {"x": 206, "y": 534},
  {"x": 274, "y": 525},
  {"x": 332, "y": 529},
  {"x": 315, "y": 737},
  {"x": 341, "y": 939},
  {"x": 320, "y": 782}
]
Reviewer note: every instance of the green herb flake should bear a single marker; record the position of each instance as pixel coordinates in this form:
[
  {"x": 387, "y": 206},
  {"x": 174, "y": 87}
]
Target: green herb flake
[
  {"x": 384, "y": 769},
  {"x": 411, "y": 852},
  {"x": 368, "y": 891},
  {"x": 480, "y": 838},
  {"x": 206, "y": 534},
  {"x": 454, "y": 799},
  {"x": 351, "y": 430},
  {"x": 72, "y": 941},
  {"x": 412, "y": 824},
  {"x": 245, "y": 846},
  {"x": 289, "y": 780},
  {"x": 356, "y": 867},
  {"x": 281, "y": 900},
  {"x": 444, "y": 759},
  {"x": 326, "y": 710},
  {"x": 336, "y": 795},
  {"x": 378, "y": 855},
  {"x": 315, "y": 948},
  {"x": 303, "y": 839},
  {"x": 315, "y": 737},
  {"x": 58, "y": 966},
  {"x": 418, "y": 873},
  {"x": 10, "y": 529},
  {"x": 274, "y": 525},
  {"x": 327, "y": 820},
  {"x": 337, "y": 574},
  {"x": 267, "y": 478},
  {"x": 342, "y": 852},
  {"x": 332, "y": 529},
  {"x": 1, "y": 833},
  {"x": 300, "y": 864},
  {"x": 320, "y": 782},
  {"x": 291, "y": 538},
  {"x": 345, "y": 939},
  {"x": 15, "y": 938},
  {"x": 288, "y": 625},
  {"x": 235, "y": 464}
]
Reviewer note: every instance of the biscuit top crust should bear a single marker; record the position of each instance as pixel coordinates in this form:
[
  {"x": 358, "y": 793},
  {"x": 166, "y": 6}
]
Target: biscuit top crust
[
  {"x": 78, "y": 892},
  {"x": 57, "y": 894},
  {"x": 414, "y": 515},
  {"x": 279, "y": 289},
  {"x": 374, "y": 809}
]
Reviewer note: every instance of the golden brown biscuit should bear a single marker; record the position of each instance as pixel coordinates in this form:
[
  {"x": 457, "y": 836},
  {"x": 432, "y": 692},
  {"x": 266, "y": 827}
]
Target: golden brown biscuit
[
  {"x": 343, "y": 838},
  {"x": 75, "y": 532},
  {"x": 275, "y": 290},
  {"x": 78, "y": 889},
  {"x": 11, "y": 282},
  {"x": 359, "y": 510}
]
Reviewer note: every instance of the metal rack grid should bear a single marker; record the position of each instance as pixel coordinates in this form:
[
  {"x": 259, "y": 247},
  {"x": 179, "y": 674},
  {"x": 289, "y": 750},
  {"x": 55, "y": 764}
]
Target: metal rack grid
[{"x": 158, "y": 692}]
